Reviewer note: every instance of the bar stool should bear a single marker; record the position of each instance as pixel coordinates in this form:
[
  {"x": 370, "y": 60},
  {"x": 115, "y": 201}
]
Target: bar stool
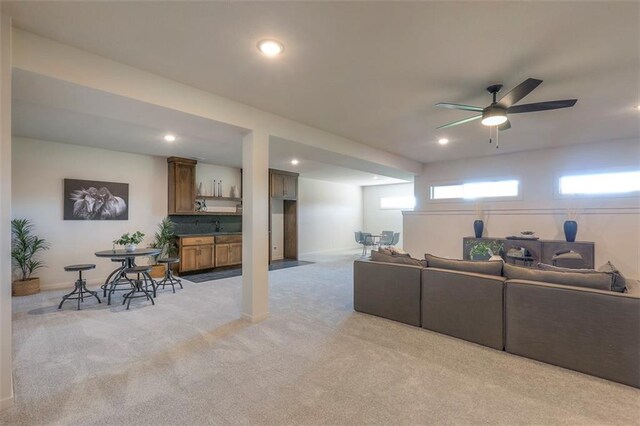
[
  {"x": 116, "y": 274},
  {"x": 169, "y": 278},
  {"x": 140, "y": 285},
  {"x": 81, "y": 285}
]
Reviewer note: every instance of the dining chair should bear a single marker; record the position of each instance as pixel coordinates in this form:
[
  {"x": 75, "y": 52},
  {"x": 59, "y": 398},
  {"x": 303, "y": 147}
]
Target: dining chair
[
  {"x": 396, "y": 238},
  {"x": 358, "y": 237},
  {"x": 386, "y": 238},
  {"x": 367, "y": 241}
]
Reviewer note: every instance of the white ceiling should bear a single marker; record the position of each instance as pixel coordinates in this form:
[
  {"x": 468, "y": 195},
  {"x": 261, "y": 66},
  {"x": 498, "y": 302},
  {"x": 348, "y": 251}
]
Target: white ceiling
[
  {"x": 372, "y": 71},
  {"x": 54, "y": 110}
]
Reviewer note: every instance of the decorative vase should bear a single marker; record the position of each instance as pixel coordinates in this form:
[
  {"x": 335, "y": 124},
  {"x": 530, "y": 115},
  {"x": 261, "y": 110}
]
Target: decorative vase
[
  {"x": 200, "y": 189},
  {"x": 233, "y": 192},
  {"x": 570, "y": 230},
  {"x": 478, "y": 227},
  {"x": 130, "y": 247},
  {"x": 25, "y": 287}
]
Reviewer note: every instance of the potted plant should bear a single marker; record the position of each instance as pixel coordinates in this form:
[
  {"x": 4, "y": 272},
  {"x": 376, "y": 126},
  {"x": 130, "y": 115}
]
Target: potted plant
[
  {"x": 24, "y": 250},
  {"x": 484, "y": 250},
  {"x": 129, "y": 241},
  {"x": 165, "y": 241}
]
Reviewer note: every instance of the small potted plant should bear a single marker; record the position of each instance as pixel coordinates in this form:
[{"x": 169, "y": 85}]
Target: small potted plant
[
  {"x": 24, "y": 249},
  {"x": 129, "y": 241},
  {"x": 485, "y": 250},
  {"x": 165, "y": 241}
]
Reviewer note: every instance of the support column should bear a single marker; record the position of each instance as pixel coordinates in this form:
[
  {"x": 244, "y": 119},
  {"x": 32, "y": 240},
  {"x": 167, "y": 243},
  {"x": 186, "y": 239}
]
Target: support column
[
  {"x": 6, "y": 373},
  {"x": 255, "y": 226}
]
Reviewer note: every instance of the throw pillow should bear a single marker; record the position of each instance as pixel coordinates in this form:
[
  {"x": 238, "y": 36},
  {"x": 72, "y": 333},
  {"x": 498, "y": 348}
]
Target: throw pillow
[
  {"x": 487, "y": 267},
  {"x": 385, "y": 251},
  {"x": 619, "y": 281},
  {"x": 595, "y": 280},
  {"x": 401, "y": 260}
]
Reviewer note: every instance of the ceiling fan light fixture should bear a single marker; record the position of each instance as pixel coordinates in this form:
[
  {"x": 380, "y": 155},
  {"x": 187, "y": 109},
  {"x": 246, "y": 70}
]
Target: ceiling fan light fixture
[{"x": 494, "y": 116}]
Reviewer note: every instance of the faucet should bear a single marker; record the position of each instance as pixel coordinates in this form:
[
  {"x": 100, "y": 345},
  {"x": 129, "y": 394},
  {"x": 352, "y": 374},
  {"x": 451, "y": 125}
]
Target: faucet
[{"x": 218, "y": 227}]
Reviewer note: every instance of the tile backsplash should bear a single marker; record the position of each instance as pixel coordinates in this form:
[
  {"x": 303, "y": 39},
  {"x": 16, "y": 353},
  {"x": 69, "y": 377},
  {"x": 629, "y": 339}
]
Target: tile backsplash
[{"x": 205, "y": 224}]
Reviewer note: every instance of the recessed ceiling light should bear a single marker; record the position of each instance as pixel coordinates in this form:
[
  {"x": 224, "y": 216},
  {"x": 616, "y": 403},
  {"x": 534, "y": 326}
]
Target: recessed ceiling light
[
  {"x": 443, "y": 141},
  {"x": 375, "y": 178},
  {"x": 294, "y": 161},
  {"x": 638, "y": 107},
  {"x": 169, "y": 138},
  {"x": 270, "y": 48}
]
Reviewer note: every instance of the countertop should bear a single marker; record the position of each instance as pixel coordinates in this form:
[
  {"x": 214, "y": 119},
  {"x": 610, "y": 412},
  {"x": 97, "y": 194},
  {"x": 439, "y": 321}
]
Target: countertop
[{"x": 208, "y": 234}]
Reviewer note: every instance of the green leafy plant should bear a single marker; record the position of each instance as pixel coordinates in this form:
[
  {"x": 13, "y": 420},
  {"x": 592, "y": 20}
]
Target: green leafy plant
[
  {"x": 126, "y": 239},
  {"x": 486, "y": 249},
  {"x": 164, "y": 239},
  {"x": 25, "y": 247}
]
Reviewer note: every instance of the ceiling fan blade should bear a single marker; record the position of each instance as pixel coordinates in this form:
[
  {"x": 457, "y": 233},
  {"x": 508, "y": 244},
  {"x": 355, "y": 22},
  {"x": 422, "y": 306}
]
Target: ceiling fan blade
[
  {"x": 505, "y": 126},
  {"x": 542, "y": 106},
  {"x": 455, "y": 123},
  {"x": 458, "y": 106},
  {"x": 520, "y": 91}
]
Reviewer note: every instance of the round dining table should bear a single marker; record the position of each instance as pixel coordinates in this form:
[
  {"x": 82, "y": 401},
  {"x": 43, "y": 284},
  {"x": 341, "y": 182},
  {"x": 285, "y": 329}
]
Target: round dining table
[
  {"x": 130, "y": 261},
  {"x": 130, "y": 256}
]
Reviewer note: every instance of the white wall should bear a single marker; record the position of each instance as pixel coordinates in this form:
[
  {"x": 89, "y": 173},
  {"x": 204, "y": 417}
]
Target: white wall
[
  {"x": 613, "y": 223},
  {"x": 6, "y": 373},
  {"x": 376, "y": 219},
  {"x": 328, "y": 214},
  {"x": 39, "y": 168}
]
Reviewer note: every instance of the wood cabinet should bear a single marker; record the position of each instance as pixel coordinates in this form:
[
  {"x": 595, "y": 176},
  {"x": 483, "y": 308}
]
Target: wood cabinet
[
  {"x": 228, "y": 250},
  {"x": 182, "y": 185},
  {"x": 283, "y": 185},
  {"x": 196, "y": 253}
]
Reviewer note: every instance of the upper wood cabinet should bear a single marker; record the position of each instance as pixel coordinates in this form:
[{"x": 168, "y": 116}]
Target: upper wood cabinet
[
  {"x": 182, "y": 185},
  {"x": 283, "y": 185}
]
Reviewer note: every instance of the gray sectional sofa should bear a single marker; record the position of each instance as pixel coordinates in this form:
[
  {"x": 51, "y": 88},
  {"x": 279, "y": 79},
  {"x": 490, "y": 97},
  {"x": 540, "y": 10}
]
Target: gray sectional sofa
[{"x": 580, "y": 327}]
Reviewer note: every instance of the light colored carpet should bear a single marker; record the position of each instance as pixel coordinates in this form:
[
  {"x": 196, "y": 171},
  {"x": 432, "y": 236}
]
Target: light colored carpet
[{"x": 189, "y": 360}]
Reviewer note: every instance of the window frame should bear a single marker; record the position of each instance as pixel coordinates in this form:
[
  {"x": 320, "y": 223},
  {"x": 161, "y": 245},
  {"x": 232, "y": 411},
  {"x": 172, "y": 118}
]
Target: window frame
[
  {"x": 517, "y": 197},
  {"x": 594, "y": 171}
]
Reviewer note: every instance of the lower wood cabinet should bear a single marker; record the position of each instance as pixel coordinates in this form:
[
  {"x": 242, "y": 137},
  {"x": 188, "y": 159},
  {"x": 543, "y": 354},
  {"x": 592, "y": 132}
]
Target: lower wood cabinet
[
  {"x": 196, "y": 253},
  {"x": 228, "y": 254},
  {"x": 206, "y": 252}
]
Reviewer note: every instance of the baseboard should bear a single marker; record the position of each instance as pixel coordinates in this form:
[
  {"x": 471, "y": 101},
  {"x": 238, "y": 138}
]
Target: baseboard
[
  {"x": 69, "y": 285},
  {"x": 255, "y": 318},
  {"x": 6, "y": 403}
]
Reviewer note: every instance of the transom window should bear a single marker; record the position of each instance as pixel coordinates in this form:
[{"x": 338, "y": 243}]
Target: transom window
[
  {"x": 475, "y": 190},
  {"x": 600, "y": 183}
]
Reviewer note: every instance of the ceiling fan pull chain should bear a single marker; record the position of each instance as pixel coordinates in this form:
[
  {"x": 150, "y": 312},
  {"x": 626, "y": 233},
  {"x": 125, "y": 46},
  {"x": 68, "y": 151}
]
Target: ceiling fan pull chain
[
  {"x": 489, "y": 134},
  {"x": 497, "y": 138}
]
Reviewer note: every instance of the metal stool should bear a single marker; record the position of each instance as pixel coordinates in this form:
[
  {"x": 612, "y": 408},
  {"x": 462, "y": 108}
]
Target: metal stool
[
  {"x": 169, "y": 278},
  {"x": 81, "y": 285},
  {"x": 115, "y": 279},
  {"x": 140, "y": 286}
]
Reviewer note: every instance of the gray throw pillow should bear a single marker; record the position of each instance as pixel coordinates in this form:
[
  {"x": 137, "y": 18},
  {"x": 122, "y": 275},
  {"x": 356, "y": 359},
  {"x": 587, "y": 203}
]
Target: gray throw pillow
[
  {"x": 400, "y": 259},
  {"x": 487, "y": 267},
  {"x": 619, "y": 281},
  {"x": 592, "y": 279}
]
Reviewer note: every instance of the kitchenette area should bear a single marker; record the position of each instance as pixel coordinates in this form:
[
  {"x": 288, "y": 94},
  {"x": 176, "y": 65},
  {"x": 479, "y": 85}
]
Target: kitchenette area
[{"x": 205, "y": 207}]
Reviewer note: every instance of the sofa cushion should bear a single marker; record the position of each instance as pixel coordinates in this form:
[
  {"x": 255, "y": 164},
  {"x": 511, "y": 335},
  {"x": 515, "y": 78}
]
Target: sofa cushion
[
  {"x": 491, "y": 267},
  {"x": 596, "y": 280},
  {"x": 377, "y": 256},
  {"x": 618, "y": 281}
]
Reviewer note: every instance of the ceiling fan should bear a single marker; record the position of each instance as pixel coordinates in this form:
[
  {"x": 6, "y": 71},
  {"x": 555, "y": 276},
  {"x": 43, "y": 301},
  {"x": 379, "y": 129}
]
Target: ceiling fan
[{"x": 496, "y": 113}]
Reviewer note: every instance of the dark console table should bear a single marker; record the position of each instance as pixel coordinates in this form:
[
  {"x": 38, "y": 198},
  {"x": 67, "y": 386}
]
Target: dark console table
[{"x": 540, "y": 250}]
